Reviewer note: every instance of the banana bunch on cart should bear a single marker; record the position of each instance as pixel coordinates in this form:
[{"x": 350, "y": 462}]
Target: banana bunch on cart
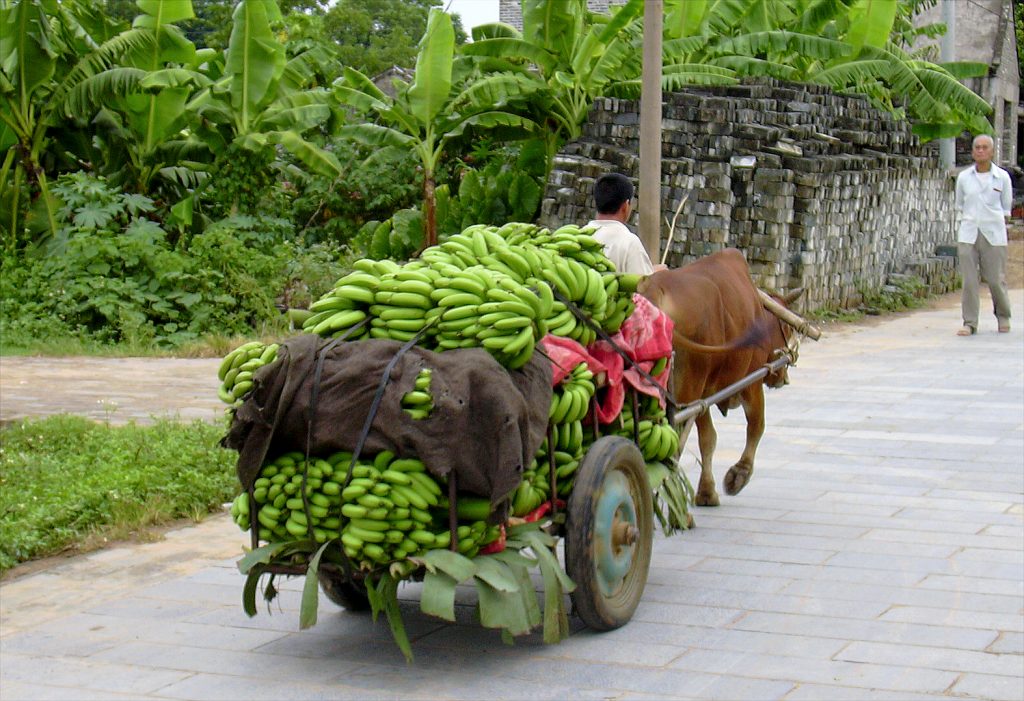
[{"x": 360, "y": 520}]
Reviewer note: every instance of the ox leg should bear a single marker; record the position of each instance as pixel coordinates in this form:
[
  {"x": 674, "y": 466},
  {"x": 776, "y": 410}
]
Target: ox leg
[
  {"x": 707, "y": 438},
  {"x": 740, "y": 473}
]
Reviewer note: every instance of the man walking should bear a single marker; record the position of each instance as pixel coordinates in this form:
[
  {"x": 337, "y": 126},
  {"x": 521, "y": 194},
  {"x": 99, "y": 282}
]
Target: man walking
[
  {"x": 613, "y": 196},
  {"x": 983, "y": 199}
]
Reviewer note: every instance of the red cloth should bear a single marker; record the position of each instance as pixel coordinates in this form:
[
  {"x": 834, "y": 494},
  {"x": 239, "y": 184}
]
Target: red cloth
[
  {"x": 645, "y": 336},
  {"x": 566, "y": 354}
]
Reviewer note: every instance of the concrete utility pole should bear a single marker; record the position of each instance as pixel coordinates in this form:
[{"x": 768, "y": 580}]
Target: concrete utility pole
[
  {"x": 650, "y": 131},
  {"x": 947, "y": 52}
]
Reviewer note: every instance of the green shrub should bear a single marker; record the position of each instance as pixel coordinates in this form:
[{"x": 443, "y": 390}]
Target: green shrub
[
  {"x": 112, "y": 277},
  {"x": 67, "y": 482}
]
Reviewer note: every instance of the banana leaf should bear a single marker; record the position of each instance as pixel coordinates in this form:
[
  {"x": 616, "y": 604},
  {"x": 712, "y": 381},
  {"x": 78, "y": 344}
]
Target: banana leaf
[
  {"x": 433, "y": 82},
  {"x": 311, "y": 591},
  {"x": 312, "y": 156},
  {"x": 871, "y": 23},
  {"x": 255, "y": 59},
  {"x": 438, "y": 595}
]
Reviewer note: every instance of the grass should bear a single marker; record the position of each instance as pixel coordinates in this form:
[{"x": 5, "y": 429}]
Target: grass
[
  {"x": 211, "y": 346},
  {"x": 69, "y": 484},
  {"x": 905, "y": 292}
]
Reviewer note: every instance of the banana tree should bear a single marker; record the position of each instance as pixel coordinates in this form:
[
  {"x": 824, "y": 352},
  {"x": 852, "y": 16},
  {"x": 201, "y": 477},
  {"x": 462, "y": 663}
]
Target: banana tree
[
  {"x": 841, "y": 43},
  {"x": 428, "y": 113},
  {"x": 30, "y": 52},
  {"x": 565, "y": 57},
  {"x": 260, "y": 99},
  {"x": 140, "y": 101}
]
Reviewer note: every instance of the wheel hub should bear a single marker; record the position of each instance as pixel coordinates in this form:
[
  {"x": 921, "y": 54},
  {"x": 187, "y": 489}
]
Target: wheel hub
[{"x": 615, "y": 533}]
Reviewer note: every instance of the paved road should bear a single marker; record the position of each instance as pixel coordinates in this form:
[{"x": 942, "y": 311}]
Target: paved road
[{"x": 878, "y": 553}]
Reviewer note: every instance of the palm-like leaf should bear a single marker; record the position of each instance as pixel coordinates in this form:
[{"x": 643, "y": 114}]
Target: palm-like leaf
[
  {"x": 871, "y": 22},
  {"x": 433, "y": 83},
  {"x": 782, "y": 41},
  {"x": 312, "y": 156},
  {"x": 553, "y": 26},
  {"x": 748, "y": 66},
  {"x": 508, "y": 46},
  {"x": 116, "y": 83},
  {"x": 255, "y": 59},
  {"x": 683, "y": 17},
  {"x": 495, "y": 30}
]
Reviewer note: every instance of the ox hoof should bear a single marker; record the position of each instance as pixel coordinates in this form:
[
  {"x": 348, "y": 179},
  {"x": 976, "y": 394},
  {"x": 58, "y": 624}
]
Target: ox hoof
[
  {"x": 706, "y": 499},
  {"x": 736, "y": 479}
]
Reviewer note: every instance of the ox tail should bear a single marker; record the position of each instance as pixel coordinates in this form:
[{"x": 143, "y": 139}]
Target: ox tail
[{"x": 755, "y": 336}]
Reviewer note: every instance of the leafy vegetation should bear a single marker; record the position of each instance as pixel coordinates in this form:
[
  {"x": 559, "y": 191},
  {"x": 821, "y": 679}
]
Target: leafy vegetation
[
  {"x": 67, "y": 483},
  {"x": 112, "y": 275},
  {"x": 169, "y": 168}
]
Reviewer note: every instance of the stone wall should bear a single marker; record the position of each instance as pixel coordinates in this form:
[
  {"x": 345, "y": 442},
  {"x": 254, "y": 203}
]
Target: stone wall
[{"x": 820, "y": 191}]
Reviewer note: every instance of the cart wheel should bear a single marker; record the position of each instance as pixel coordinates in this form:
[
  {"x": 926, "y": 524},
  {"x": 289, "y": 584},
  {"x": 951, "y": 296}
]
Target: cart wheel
[
  {"x": 343, "y": 592},
  {"x": 609, "y": 533}
]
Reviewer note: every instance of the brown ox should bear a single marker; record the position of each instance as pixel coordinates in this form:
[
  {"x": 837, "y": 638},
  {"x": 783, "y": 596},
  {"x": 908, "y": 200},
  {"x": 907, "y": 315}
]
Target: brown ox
[{"x": 722, "y": 334}]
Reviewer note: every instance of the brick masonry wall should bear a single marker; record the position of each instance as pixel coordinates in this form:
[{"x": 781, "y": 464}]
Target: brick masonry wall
[{"x": 819, "y": 190}]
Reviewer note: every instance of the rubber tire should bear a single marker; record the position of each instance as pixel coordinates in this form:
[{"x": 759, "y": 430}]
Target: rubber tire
[
  {"x": 607, "y": 456},
  {"x": 343, "y": 593}
]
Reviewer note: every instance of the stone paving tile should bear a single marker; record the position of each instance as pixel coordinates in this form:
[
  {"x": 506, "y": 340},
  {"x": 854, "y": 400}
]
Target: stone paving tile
[
  {"x": 822, "y": 692},
  {"x": 92, "y": 674},
  {"x": 217, "y": 687},
  {"x": 934, "y": 598},
  {"x": 780, "y": 603},
  {"x": 893, "y": 677},
  {"x": 931, "y": 658},
  {"x": 101, "y": 630},
  {"x": 976, "y": 584},
  {"x": 989, "y": 686},
  {"x": 243, "y": 663},
  {"x": 25, "y": 691},
  {"x": 953, "y": 637},
  {"x": 1012, "y": 643},
  {"x": 965, "y": 619}
]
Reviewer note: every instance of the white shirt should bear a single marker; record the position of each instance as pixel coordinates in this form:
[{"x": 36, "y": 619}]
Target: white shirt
[
  {"x": 983, "y": 203},
  {"x": 622, "y": 247}
]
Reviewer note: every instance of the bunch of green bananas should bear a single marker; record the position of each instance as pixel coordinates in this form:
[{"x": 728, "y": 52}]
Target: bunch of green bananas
[
  {"x": 657, "y": 438},
  {"x": 482, "y": 308},
  {"x": 390, "y": 510},
  {"x": 419, "y": 402},
  {"x": 237, "y": 368},
  {"x": 489, "y": 287},
  {"x": 566, "y": 445},
  {"x": 570, "y": 400},
  {"x": 402, "y": 303}
]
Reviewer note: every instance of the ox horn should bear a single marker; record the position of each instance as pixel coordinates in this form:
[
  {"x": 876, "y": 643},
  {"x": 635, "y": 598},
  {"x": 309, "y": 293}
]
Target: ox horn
[{"x": 791, "y": 318}]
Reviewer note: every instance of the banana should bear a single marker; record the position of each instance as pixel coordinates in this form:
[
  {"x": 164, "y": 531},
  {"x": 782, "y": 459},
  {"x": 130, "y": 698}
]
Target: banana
[
  {"x": 468, "y": 283},
  {"x": 417, "y": 398},
  {"x": 338, "y": 321},
  {"x": 459, "y": 299},
  {"x": 519, "y": 342},
  {"x": 363, "y": 534},
  {"x": 426, "y": 482},
  {"x": 347, "y": 294},
  {"x": 413, "y": 495}
]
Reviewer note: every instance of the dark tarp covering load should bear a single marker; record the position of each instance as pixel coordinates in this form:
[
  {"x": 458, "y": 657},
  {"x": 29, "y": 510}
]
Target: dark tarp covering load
[{"x": 486, "y": 425}]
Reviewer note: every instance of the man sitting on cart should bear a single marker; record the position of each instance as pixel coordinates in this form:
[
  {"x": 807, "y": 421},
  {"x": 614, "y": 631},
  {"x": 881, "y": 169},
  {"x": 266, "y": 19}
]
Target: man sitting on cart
[{"x": 613, "y": 196}]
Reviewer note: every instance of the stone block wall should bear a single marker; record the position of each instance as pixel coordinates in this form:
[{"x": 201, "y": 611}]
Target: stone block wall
[{"x": 820, "y": 191}]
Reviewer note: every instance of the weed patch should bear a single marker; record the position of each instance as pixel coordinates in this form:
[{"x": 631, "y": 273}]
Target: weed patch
[{"x": 67, "y": 483}]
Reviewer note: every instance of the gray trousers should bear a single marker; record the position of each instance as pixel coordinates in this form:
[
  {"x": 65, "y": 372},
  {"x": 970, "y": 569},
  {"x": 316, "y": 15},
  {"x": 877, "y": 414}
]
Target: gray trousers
[{"x": 990, "y": 261}]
